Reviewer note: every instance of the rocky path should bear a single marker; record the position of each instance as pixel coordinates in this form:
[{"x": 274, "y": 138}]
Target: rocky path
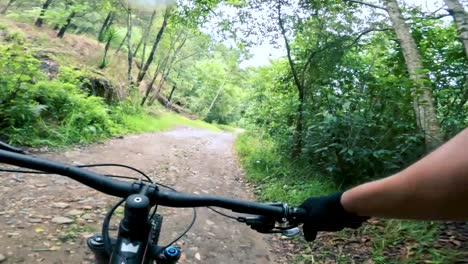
[{"x": 46, "y": 218}]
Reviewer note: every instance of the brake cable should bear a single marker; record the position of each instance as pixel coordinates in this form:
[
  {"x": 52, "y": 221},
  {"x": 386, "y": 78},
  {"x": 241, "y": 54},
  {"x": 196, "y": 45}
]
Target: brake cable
[
  {"x": 107, "y": 175},
  {"x": 222, "y": 214},
  {"x": 105, "y": 227}
]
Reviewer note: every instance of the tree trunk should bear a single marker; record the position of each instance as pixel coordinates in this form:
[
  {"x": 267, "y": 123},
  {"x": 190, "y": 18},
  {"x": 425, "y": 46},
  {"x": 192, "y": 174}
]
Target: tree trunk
[
  {"x": 165, "y": 73},
  {"x": 297, "y": 137},
  {"x": 145, "y": 37},
  {"x": 64, "y": 28},
  {"x": 169, "y": 63},
  {"x": 121, "y": 44},
  {"x": 216, "y": 97},
  {"x": 460, "y": 17},
  {"x": 423, "y": 99},
  {"x": 5, "y": 9},
  {"x": 150, "y": 59},
  {"x": 40, "y": 19},
  {"x": 129, "y": 45},
  {"x": 170, "y": 95},
  {"x": 107, "y": 23},
  {"x": 106, "y": 49},
  {"x": 149, "y": 88}
]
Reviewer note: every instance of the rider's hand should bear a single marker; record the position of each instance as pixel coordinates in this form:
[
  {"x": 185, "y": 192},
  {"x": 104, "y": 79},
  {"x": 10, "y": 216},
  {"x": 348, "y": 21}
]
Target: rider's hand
[{"x": 326, "y": 213}]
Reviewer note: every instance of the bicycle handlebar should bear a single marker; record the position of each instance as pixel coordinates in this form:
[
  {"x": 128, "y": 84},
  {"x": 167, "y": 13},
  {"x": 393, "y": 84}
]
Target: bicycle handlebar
[
  {"x": 165, "y": 198},
  {"x": 94, "y": 180}
]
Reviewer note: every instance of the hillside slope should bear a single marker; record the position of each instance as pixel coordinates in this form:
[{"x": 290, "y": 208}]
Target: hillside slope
[{"x": 53, "y": 92}]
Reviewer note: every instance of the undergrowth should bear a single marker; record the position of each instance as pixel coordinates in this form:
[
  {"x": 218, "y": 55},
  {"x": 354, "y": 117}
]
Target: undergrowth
[
  {"x": 38, "y": 110},
  {"x": 276, "y": 177},
  {"x": 380, "y": 241}
]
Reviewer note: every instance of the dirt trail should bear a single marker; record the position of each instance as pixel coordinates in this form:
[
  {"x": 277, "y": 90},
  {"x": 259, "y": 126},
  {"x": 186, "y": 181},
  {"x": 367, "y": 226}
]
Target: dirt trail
[{"x": 192, "y": 160}]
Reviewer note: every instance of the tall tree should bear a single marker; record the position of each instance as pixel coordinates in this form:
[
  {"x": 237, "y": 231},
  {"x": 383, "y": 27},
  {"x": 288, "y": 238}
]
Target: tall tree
[
  {"x": 297, "y": 137},
  {"x": 169, "y": 63},
  {"x": 460, "y": 17},
  {"x": 67, "y": 24},
  {"x": 423, "y": 98},
  {"x": 129, "y": 46},
  {"x": 150, "y": 59},
  {"x": 8, "y": 5},
  {"x": 122, "y": 42},
  {"x": 109, "y": 36},
  {"x": 144, "y": 38},
  {"x": 106, "y": 25},
  {"x": 40, "y": 19}
]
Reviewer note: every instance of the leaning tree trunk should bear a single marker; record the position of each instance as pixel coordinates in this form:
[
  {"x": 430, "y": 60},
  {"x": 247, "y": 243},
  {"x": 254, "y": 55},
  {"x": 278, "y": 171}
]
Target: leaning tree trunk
[
  {"x": 106, "y": 25},
  {"x": 145, "y": 37},
  {"x": 169, "y": 63},
  {"x": 460, "y": 17},
  {"x": 129, "y": 45},
  {"x": 106, "y": 50},
  {"x": 150, "y": 59},
  {"x": 5, "y": 9},
  {"x": 40, "y": 19},
  {"x": 149, "y": 88},
  {"x": 423, "y": 99},
  {"x": 64, "y": 28},
  {"x": 218, "y": 93},
  {"x": 121, "y": 44}
]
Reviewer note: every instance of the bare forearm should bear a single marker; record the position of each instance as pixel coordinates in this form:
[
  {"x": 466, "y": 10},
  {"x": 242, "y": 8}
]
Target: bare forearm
[{"x": 436, "y": 187}]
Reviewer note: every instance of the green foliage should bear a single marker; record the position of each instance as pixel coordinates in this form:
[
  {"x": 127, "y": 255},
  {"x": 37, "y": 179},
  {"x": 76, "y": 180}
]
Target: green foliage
[
  {"x": 37, "y": 111},
  {"x": 359, "y": 122},
  {"x": 446, "y": 63},
  {"x": 276, "y": 178},
  {"x": 212, "y": 87}
]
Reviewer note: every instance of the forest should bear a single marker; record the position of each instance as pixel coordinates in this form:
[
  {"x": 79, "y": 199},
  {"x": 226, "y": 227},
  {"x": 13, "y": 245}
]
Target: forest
[{"x": 361, "y": 90}]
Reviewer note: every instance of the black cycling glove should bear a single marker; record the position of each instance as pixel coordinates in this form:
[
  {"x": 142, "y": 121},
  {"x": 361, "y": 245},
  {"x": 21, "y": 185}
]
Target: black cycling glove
[{"x": 326, "y": 213}]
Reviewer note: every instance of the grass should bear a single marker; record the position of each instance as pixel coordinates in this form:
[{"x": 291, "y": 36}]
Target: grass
[
  {"x": 382, "y": 241},
  {"x": 73, "y": 231},
  {"x": 146, "y": 122},
  {"x": 274, "y": 176}
]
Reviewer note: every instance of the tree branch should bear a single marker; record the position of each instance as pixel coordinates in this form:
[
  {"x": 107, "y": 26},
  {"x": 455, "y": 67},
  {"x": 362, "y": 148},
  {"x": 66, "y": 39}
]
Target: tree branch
[
  {"x": 429, "y": 17},
  {"x": 186, "y": 57},
  {"x": 366, "y": 4},
  {"x": 364, "y": 33},
  {"x": 288, "y": 49}
]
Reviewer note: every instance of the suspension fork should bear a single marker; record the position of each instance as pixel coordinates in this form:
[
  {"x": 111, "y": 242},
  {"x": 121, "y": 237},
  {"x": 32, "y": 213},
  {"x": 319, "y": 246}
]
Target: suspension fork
[{"x": 137, "y": 239}]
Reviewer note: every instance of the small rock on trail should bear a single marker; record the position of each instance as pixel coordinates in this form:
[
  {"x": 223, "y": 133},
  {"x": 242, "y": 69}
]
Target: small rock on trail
[
  {"x": 60, "y": 205},
  {"x": 62, "y": 220}
]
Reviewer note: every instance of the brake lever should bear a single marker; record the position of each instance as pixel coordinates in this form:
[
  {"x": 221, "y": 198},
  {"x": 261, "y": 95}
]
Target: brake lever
[
  {"x": 266, "y": 225},
  {"x": 261, "y": 224}
]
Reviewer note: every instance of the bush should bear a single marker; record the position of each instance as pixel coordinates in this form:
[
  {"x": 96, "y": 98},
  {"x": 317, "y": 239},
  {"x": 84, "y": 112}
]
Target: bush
[
  {"x": 354, "y": 147},
  {"x": 34, "y": 110}
]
